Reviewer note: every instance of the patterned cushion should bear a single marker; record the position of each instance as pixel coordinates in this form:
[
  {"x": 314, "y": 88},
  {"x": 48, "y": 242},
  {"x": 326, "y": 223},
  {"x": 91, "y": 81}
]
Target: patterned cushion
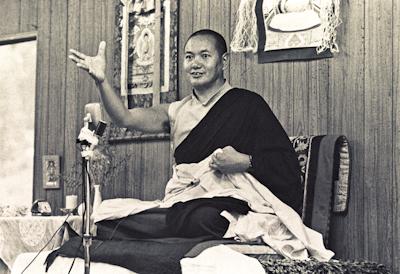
[
  {"x": 325, "y": 165},
  {"x": 301, "y": 145}
]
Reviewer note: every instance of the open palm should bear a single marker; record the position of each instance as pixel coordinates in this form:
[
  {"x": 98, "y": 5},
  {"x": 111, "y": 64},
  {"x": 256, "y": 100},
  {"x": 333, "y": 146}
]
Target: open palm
[{"x": 95, "y": 65}]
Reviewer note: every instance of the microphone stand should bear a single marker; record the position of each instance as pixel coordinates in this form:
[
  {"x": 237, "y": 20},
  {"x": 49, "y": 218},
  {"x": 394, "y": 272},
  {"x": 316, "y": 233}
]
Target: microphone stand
[
  {"x": 88, "y": 140},
  {"x": 87, "y": 236}
]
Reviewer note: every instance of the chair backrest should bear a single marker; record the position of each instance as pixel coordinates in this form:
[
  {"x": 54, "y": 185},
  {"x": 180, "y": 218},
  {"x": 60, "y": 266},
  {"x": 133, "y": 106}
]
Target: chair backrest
[{"x": 325, "y": 170}]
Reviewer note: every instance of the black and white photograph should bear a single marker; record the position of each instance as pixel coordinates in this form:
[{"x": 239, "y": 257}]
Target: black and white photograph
[{"x": 199, "y": 136}]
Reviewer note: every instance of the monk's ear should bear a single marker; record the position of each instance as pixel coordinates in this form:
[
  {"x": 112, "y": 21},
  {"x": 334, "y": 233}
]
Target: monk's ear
[{"x": 225, "y": 60}]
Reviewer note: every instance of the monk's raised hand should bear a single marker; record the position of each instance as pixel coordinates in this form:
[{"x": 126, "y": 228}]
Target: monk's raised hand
[{"x": 95, "y": 65}]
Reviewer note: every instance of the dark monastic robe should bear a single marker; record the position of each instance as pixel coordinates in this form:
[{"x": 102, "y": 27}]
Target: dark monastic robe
[{"x": 242, "y": 119}]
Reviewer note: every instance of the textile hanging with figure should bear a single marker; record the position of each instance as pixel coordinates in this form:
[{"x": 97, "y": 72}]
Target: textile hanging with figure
[
  {"x": 287, "y": 29},
  {"x": 143, "y": 39},
  {"x": 296, "y": 29}
]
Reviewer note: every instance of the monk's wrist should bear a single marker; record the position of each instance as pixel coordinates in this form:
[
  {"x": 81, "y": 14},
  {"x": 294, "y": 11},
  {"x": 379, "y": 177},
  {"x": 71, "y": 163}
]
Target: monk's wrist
[{"x": 99, "y": 81}]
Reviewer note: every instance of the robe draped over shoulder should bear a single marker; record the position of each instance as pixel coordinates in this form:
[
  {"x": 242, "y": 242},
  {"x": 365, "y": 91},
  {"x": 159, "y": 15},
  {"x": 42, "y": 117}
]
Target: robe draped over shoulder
[{"x": 242, "y": 119}]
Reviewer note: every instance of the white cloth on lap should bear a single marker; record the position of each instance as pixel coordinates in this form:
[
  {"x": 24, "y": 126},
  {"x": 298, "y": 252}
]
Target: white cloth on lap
[
  {"x": 221, "y": 260},
  {"x": 277, "y": 224}
]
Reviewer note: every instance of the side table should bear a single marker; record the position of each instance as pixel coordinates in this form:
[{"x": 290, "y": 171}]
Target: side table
[{"x": 31, "y": 234}]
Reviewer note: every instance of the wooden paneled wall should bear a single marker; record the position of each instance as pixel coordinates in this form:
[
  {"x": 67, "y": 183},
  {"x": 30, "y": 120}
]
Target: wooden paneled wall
[{"x": 355, "y": 93}]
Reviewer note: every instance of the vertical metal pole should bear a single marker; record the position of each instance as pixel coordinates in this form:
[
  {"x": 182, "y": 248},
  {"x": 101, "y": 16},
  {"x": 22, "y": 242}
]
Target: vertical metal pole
[{"x": 87, "y": 237}]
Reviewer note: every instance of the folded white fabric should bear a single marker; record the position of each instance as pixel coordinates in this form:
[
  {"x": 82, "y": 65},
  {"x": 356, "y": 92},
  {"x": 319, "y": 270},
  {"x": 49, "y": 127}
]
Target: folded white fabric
[{"x": 221, "y": 260}]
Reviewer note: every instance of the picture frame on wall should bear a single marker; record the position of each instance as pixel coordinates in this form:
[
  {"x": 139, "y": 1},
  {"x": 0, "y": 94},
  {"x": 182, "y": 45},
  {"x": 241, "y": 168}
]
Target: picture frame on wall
[{"x": 51, "y": 171}]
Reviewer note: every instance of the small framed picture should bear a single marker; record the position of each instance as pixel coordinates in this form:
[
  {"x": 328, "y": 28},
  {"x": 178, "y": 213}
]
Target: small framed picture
[{"x": 51, "y": 171}]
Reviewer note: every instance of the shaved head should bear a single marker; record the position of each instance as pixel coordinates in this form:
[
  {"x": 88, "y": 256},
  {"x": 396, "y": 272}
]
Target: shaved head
[{"x": 219, "y": 41}]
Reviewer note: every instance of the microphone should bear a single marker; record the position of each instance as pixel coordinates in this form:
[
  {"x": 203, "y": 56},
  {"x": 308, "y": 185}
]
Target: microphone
[
  {"x": 96, "y": 123},
  {"x": 94, "y": 109},
  {"x": 93, "y": 125}
]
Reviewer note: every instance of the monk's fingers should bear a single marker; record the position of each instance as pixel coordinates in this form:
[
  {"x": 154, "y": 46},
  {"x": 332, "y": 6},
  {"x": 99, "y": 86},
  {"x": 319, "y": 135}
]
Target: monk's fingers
[
  {"x": 78, "y": 54},
  {"x": 213, "y": 165},
  {"x": 102, "y": 49},
  {"x": 82, "y": 66},
  {"x": 74, "y": 58},
  {"x": 217, "y": 159}
]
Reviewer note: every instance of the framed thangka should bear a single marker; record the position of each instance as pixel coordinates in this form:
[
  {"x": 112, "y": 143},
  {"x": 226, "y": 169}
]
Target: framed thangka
[
  {"x": 296, "y": 29},
  {"x": 146, "y": 52}
]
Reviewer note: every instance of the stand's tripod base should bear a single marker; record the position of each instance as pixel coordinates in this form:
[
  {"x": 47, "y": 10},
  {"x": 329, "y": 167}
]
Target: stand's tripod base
[
  {"x": 87, "y": 242},
  {"x": 87, "y": 236}
]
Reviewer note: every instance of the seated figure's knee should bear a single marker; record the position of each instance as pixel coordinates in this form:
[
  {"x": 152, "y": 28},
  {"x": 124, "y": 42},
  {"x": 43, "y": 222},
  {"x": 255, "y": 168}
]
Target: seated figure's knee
[{"x": 206, "y": 221}]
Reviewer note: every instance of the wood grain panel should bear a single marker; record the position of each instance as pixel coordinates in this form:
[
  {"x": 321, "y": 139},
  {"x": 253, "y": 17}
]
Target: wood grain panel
[
  {"x": 134, "y": 181},
  {"x": 346, "y": 115},
  {"x": 218, "y": 9},
  {"x": 201, "y": 14},
  {"x": 42, "y": 91},
  {"x": 396, "y": 137},
  {"x": 109, "y": 28},
  {"x": 252, "y": 75},
  {"x": 98, "y": 28},
  {"x": 185, "y": 29},
  {"x": 318, "y": 88},
  {"x": 301, "y": 97},
  {"x": 378, "y": 194},
  {"x": 156, "y": 169},
  {"x": 89, "y": 46},
  {"x": 9, "y": 17},
  {"x": 237, "y": 66},
  {"x": 57, "y": 85},
  {"x": 116, "y": 186},
  {"x": 71, "y": 154},
  {"x": 28, "y": 15},
  {"x": 282, "y": 103},
  {"x": 266, "y": 85},
  {"x": 85, "y": 37}
]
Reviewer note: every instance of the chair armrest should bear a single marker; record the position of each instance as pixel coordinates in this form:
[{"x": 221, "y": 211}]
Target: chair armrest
[{"x": 325, "y": 167}]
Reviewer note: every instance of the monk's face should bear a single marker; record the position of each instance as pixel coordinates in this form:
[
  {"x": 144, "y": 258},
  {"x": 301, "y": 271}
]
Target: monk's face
[{"x": 203, "y": 64}]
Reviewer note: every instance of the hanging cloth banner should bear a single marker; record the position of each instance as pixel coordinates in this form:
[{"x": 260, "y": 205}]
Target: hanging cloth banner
[
  {"x": 146, "y": 45},
  {"x": 296, "y": 29}
]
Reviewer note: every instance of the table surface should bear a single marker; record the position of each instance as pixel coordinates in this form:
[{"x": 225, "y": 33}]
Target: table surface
[{"x": 32, "y": 233}]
